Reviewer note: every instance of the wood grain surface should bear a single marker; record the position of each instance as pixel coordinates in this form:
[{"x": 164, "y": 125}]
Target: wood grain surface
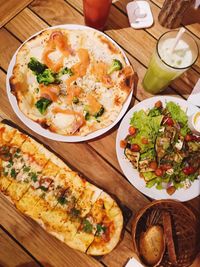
[
  {"x": 96, "y": 160},
  {"x": 10, "y": 247},
  {"x": 8, "y": 9}
]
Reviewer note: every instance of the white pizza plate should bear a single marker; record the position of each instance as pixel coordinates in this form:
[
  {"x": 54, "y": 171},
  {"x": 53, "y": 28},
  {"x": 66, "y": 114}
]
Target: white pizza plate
[
  {"x": 35, "y": 126},
  {"x": 132, "y": 174}
]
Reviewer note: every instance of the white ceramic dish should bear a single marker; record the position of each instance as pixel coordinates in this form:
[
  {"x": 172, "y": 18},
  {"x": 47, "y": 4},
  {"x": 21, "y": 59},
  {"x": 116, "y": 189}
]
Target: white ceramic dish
[
  {"x": 35, "y": 126},
  {"x": 132, "y": 174}
]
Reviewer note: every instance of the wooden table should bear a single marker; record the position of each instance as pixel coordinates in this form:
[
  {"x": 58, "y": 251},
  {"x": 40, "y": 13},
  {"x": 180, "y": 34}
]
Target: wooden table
[{"x": 22, "y": 241}]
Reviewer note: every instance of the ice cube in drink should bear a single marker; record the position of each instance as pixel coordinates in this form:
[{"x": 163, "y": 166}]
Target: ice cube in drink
[{"x": 166, "y": 65}]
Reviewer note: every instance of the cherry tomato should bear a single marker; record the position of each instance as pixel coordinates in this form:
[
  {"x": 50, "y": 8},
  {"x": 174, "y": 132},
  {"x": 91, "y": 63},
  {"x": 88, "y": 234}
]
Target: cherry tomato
[
  {"x": 153, "y": 165},
  {"x": 166, "y": 166},
  {"x": 158, "y": 104},
  {"x": 188, "y": 170},
  {"x": 169, "y": 122},
  {"x": 135, "y": 148},
  {"x": 144, "y": 141},
  {"x": 171, "y": 190},
  {"x": 159, "y": 172},
  {"x": 132, "y": 130},
  {"x": 123, "y": 143},
  {"x": 188, "y": 137}
]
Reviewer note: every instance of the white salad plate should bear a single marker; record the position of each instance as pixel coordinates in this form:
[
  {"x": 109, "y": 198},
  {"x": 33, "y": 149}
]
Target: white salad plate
[
  {"x": 35, "y": 126},
  {"x": 132, "y": 174}
]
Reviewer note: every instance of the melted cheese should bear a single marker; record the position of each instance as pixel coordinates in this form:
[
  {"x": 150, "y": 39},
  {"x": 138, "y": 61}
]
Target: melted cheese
[
  {"x": 63, "y": 120},
  {"x": 55, "y": 55},
  {"x": 93, "y": 105}
]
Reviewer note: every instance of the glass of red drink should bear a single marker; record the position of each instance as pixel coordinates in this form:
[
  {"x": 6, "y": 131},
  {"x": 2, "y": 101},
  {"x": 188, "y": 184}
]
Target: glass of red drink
[{"x": 96, "y": 12}]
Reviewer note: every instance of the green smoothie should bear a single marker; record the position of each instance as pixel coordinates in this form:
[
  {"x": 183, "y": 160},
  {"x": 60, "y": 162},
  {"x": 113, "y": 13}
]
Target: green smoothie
[
  {"x": 158, "y": 76},
  {"x": 166, "y": 63}
]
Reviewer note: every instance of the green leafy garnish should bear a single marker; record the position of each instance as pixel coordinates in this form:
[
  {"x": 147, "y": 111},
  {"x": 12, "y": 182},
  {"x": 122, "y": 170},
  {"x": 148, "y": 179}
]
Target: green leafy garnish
[
  {"x": 26, "y": 169},
  {"x": 74, "y": 212},
  {"x": 75, "y": 100},
  {"x": 13, "y": 173},
  {"x": 5, "y": 173},
  {"x": 87, "y": 226},
  {"x": 100, "y": 229},
  {"x": 62, "y": 200},
  {"x": 10, "y": 164},
  {"x": 43, "y": 104},
  {"x": 87, "y": 115},
  {"x": 43, "y": 188},
  {"x": 16, "y": 155},
  {"x": 34, "y": 177},
  {"x": 100, "y": 112}
]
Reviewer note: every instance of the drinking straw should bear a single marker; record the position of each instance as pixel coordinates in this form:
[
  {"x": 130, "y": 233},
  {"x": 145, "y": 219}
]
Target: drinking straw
[{"x": 178, "y": 37}]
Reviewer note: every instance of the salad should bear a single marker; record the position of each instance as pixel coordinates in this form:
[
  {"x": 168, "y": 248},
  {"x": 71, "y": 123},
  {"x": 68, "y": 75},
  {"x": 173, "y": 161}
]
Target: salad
[{"x": 160, "y": 145}]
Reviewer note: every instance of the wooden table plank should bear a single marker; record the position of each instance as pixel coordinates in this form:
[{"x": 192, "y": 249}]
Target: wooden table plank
[
  {"x": 8, "y": 9},
  {"x": 23, "y": 27},
  {"x": 19, "y": 256},
  {"x": 44, "y": 247},
  {"x": 8, "y": 42},
  {"x": 122, "y": 253},
  {"x": 64, "y": 14}
]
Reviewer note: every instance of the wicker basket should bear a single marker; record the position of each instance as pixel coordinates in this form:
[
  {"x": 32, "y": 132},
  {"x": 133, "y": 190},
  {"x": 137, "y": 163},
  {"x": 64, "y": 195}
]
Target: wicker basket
[{"x": 184, "y": 226}]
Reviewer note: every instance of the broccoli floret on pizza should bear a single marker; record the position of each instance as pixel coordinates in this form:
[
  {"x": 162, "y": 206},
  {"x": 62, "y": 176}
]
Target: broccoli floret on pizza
[
  {"x": 36, "y": 66},
  {"x": 116, "y": 65},
  {"x": 47, "y": 77},
  {"x": 43, "y": 104}
]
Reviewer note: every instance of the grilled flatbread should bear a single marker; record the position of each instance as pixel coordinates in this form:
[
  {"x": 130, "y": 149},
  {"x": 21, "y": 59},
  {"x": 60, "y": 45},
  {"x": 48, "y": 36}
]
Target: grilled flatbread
[
  {"x": 72, "y": 82},
  {"x": 43, "y": 187}
]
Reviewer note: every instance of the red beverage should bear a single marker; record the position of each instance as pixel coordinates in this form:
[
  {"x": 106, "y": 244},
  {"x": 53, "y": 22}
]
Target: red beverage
[{"x": 96, "y": 12}]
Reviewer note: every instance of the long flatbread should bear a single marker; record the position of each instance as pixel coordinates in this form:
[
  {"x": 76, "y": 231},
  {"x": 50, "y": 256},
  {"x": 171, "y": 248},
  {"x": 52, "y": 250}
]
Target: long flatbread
[{"x": 43, "y": 187}]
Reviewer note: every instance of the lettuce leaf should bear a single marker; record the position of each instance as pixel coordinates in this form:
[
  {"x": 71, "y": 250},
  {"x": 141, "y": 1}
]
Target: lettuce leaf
[
  {"x": 149, "y": 154},
  {"x": 147, "y": 127},
  {"x": 148, "y": 176},
  {"x": 179, "y": 116}
]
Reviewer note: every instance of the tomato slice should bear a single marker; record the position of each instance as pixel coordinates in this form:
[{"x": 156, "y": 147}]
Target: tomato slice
[
  {"x": 189, "y": 170},
  {"x": 135, "y": 148},
  {"x": 159, "y": 172},
  {"x": 158, "y": 104},
  {"x": 123, "y": 143},
  {"x": 132, "y": 130},
  {"x": 144, "y": 141},
  {"x": 153, "y": 165}
]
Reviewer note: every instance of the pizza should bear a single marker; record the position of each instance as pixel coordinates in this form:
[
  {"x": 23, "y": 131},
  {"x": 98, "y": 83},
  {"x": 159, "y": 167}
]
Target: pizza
[
  {"x": 43, "y": 187},
  {"x": 71, "y": 82}
]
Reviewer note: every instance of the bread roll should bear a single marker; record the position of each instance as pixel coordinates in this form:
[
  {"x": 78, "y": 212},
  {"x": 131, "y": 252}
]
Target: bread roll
[{"x": 152, "y": 245}]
